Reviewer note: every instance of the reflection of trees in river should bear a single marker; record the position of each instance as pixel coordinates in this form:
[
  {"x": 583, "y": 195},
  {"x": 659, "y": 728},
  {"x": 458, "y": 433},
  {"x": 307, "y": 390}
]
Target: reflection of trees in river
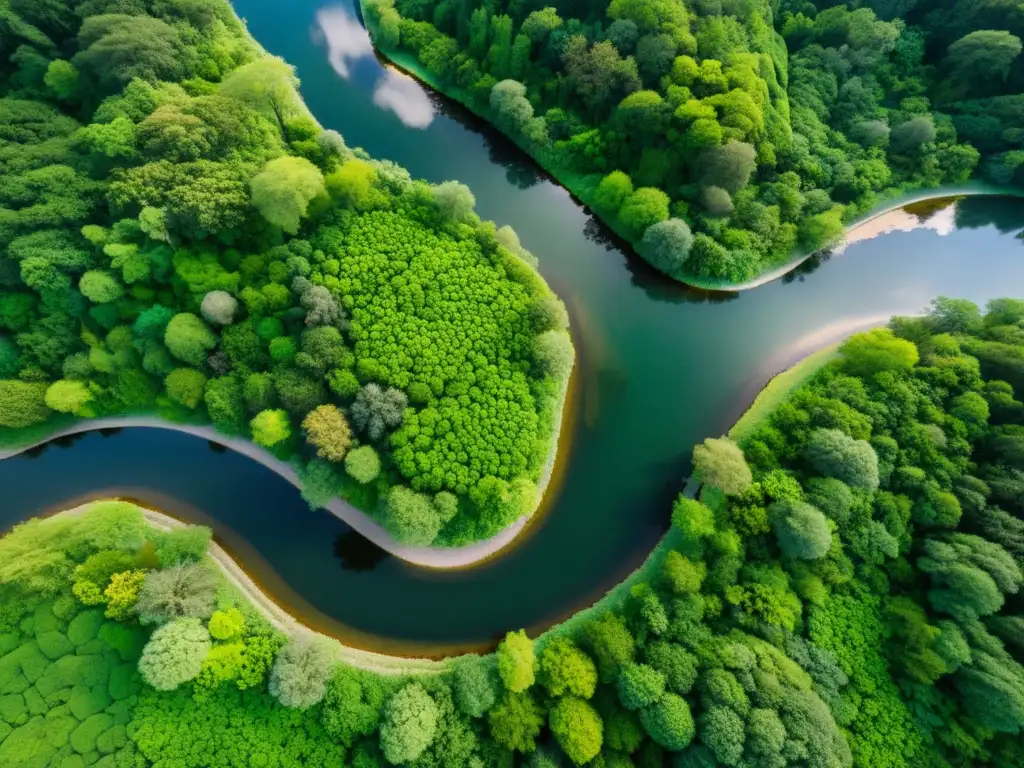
[
  {"x": 1005, "y": 213},
  {"x": 357, "y": 553}
]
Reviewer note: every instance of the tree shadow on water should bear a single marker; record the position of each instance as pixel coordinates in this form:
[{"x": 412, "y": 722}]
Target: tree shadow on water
[
  {"x": 358, "y": 553},
  {"x": 1006, "y": 214}
]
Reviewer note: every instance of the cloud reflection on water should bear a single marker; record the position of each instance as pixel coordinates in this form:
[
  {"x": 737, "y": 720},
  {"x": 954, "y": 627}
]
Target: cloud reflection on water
[{"x": 347, "y": 43}]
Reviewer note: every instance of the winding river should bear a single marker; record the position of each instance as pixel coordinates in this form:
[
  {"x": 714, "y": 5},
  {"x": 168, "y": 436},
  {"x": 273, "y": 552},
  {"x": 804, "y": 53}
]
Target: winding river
[{"x": 660, "y": 368}]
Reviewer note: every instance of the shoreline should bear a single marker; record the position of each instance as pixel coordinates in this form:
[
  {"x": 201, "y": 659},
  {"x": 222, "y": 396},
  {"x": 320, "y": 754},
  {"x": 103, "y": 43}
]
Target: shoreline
[
  {"x": 279, "y": 617},
  {"x": 445, "y": 558},
  {"x": 407, "y": 63}
]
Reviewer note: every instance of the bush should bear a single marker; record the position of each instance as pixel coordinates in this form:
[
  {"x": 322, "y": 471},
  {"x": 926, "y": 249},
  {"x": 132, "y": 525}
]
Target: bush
[
  {"x": 410, "y": 517},
  {"x": 226, "y": 625},
  {"x": 720, "y": 464}
]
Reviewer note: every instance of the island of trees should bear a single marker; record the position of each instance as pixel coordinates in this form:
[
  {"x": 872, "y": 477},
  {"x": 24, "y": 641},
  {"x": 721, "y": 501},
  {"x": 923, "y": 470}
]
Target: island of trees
[
  {"x": 844, "y": 593},
  {"x": 722, "y": 136},
  {"x": 179, "y": 237}
]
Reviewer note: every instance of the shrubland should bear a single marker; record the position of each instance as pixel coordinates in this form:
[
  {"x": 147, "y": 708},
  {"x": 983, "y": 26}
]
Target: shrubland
[
  {"x": 178, "y": 237},
  {"x": 720, "y": 137}
]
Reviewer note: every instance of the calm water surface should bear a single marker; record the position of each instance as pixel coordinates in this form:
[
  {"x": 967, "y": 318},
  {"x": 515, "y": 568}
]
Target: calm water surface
[{"x": 661, "y": 368}]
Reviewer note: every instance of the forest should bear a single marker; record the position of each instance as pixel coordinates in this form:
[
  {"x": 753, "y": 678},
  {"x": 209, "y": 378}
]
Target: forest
[
  {"x": 845, "y": 592},
  {"x": 721, "y": 137},
  {"x": 179, "y": 237}
]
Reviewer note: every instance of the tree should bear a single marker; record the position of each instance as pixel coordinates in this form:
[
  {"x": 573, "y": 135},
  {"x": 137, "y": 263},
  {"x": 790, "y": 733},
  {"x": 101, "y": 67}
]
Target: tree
[
  {"x": 682, "y": 575},
  {"x": 219, "y": 307},
  {"x": 377, "y": 410},
  {"x": 910, "y": 136},
  {"x": 719, "y": 462},
  {"x": 174, "y": 654},
  {"x": 515, "y": 721},
  {"x": 728, "y": 166},
  {"x": 226, "y": 625},
  {"x": 410, "y": 517},
  {"x": 669, "y": 722},
  {"x": 721, "y": 730},
  {"x": 611, "y": 645},
  {"x": 327, "y": 431},
  {"x": 362, "y": 464},
  {"x": 554, "y": 354},
  {"x": 62, "y": 78},
  {"x": 115, "y": 48},
  {"x": 612, "y": 192},
  {"x": 565, "y": 669},
  {"x": 577, "y": 728},
  {"x": 270, "y": 427},
  {"x": 352, "y": 705},
  {"x": 866, "y": 354},
  {"x": 640, "y": 686},
  {"x": 301, "y": 671},
  {"x": 409, "y": 724},
  {"x": 282, "y": 190},
  {"x": 666, "y": 245},
  {"x": 122, "y": 594},
  {"x": 516, "y": 662},
  {"x": 188, "y": 339},
  {"x": 68, "y": 396},
  {"x": 837, "y": 455},
  {"x": 981, "y": 57},
  {"x": 538, "y": 25},
  {"x": 179, "y": 591},
  {"x": 268, "y": 85},
  {"x": 186, "y": 386},
  {"x": 476, "y": 686},
  {"x": 100, "y": 287},
  {"x": 801, "y": 530},
  {"x": 22, "y": 403},
  {"x": 454, "y": 201},
  {"x": 644, "y": 208}
]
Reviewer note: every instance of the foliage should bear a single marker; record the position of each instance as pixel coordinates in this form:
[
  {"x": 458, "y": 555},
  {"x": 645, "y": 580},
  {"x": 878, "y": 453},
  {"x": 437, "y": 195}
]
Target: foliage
[
  {"x": 408, "y": 725},
  {"x": 300, "y": 673},
  {"x": 174, "y": 654}
]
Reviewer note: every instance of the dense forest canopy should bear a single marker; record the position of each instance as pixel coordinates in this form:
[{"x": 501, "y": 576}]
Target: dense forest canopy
[
  {"x": 721, "y": 135},
  {"x": 846, "y": 593},
  {"x": 178, "y": 236}
]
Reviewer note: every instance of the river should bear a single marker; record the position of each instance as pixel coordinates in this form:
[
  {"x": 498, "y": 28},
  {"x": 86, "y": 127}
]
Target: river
[{"x": 660, "y": 368}]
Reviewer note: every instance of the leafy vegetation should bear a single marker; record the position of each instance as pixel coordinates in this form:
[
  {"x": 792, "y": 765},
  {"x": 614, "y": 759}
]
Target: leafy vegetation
[
  {"x": 178, "y": 236},
  {"x": 854, "y": 600},
  {"x": 720, "y": 136}
]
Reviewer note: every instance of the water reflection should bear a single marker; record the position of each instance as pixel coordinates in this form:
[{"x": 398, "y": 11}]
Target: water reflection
[
  {"x": 348, "y": 46},
  {"x": 401, "y": 94},
  {"x": 358, "y": 553}
]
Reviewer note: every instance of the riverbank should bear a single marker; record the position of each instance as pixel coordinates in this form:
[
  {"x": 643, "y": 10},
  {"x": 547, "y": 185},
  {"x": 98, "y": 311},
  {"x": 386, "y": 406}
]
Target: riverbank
[
  {"x": 578, "y": 188},
  {"x": 427, "y": 557},
  {"x": 276, "y": 615}
]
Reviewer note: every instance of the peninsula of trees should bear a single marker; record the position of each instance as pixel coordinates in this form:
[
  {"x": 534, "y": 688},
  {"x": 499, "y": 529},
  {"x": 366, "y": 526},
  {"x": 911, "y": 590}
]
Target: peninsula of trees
[
  {"x": 722, "y": 136},
  {"x": 179, "y": 237}
]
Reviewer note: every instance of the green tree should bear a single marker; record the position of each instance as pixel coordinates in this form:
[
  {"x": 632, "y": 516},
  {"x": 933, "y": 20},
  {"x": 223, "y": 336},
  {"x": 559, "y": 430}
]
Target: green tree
[
  {"x": 410, "y": 517},
  {"x": 270, "y": 427},
  {"x": 669, "y": 722},
  {"x": 186, "y": 386},
  {"x": 982, "y": 56},
  {"x": 362, "y": 464},
  {"x": 640, "y": 686},
  {"x": 327, "y": 430},
  {"x": 68, "y": 396},
  {"x": 282, "y": 190},
  {"x": 566, "y": 670},
  {"x": 515, "y": 722},
  {"x": 409, "y": 724},
  {"x": 642, "y": 209},
  {"x": 188, "y": 339},
  {"x": 719, "y": 462},
  {"x": 301, "y": 671},
  {"x": 666, "y": 245},
  {"x": 178, "y": 591},
  {"x": 577, "y": 728},
  {"x": 835, "y": 454},
  {"x": 174, "y": 654},
  {"x": 268, "y": 85},
  {"x": 801, "y": 530},
  {"x": 100, "y": 287},
  {"x": 866, "y": 354},
  {"x": 516, "y": 662}
]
